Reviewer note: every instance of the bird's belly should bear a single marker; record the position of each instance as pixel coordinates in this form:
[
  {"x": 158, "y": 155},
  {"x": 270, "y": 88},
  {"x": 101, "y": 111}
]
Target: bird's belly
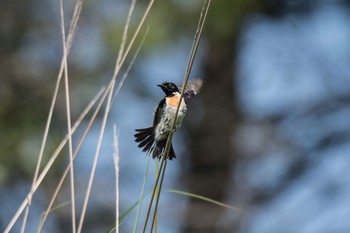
[{"x": 167, "y": 120}]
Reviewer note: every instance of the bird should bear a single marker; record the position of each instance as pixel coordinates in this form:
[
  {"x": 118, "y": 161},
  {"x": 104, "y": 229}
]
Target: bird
[{"x": 153, "y": 139}]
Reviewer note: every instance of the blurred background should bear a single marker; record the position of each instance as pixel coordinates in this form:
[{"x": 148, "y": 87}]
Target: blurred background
[{"x": 269, "y": 133}]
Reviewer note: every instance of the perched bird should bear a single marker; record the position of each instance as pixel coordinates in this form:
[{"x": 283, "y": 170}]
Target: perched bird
[{"x": 153, "y": 139}]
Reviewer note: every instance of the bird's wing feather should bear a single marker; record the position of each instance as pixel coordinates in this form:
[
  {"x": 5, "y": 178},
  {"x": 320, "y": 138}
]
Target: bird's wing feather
[
  {"x": 158, "y": 112},
  {"x": 192, "y": 88}
]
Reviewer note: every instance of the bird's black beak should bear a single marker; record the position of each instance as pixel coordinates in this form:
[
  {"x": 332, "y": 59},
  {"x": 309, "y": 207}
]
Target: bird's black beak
[{"x": 160, "y": 85}]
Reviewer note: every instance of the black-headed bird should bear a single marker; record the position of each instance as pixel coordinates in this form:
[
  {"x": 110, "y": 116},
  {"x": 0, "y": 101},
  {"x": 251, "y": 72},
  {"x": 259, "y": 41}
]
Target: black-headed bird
[{"x": 154, "y": 138}]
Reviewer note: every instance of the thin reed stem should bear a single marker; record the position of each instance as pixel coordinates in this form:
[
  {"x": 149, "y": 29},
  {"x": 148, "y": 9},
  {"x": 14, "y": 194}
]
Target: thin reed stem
[
  {"x": 27, "y": 201},
  {"x": 97, "y": 153},
  {"x": 141, "y": 196},
  {"x": 125, "y": 33},
  {"x": 70, "y": 147},
  {"x": 70, "y": 38},
  {"x": 193, "y": 53},
  {"x": 133, "y": 38},
  {"x": 121, "y": 82},
  {"x": 153, "y": 193},
  {"x": 81, "y": 117},
  {"x": 116, "y": 166},
  {"x": 158, "y": 196},
  {"x": 110, "y": 91}
]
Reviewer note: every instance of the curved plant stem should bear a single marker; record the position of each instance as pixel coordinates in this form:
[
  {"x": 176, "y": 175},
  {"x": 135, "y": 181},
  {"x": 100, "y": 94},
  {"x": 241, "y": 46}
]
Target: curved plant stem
[
  {"x": 141, "y": 197},
  {"x": 193, "y": 53},
  {"x": 158, "y": 196},
  {"x": 73, "y": 28},
  {"x": 69, "y": 127},
  {"x": 153, "y": 193}
]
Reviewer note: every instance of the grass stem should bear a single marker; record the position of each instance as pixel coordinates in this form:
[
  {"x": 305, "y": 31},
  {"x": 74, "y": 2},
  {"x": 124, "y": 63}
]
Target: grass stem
[{"x": 193, "y": 53}]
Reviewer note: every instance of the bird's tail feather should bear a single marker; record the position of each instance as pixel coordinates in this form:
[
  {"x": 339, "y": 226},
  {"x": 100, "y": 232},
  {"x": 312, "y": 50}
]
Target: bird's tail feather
[
  {"x": 159, "y": 148},
  {"x": 172, "y": 152},
  {"x": 145, "y": 138}
]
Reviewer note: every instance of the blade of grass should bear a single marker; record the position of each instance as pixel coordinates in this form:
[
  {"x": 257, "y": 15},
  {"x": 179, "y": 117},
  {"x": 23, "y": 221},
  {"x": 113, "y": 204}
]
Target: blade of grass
[
  {"x": 203, "y": 199},
  {"x": 45, "y": 213},
  {"x": 141, "y": 196},
  {"x": 59, "y": 206},
  {"x": 128, "y": 211},
  {"x": 189, "y": 195}
]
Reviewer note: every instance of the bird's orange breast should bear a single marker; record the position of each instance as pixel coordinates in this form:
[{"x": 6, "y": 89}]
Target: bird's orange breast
[{"x": 173, "y": 101}]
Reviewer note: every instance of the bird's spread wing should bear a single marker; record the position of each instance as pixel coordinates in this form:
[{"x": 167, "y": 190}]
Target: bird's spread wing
[
  {"x": 158, "y": 112},
  {"x": 192, "y": 88}
]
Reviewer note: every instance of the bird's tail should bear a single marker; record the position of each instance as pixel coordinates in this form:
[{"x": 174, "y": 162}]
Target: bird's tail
[
  {"x": 145, "y": 138},
  {"x": 159, "y": 148}
]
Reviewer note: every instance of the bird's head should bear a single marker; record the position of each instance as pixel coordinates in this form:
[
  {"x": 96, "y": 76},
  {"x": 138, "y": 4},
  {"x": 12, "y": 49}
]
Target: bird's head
[{"x": 169, "y": 88}]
